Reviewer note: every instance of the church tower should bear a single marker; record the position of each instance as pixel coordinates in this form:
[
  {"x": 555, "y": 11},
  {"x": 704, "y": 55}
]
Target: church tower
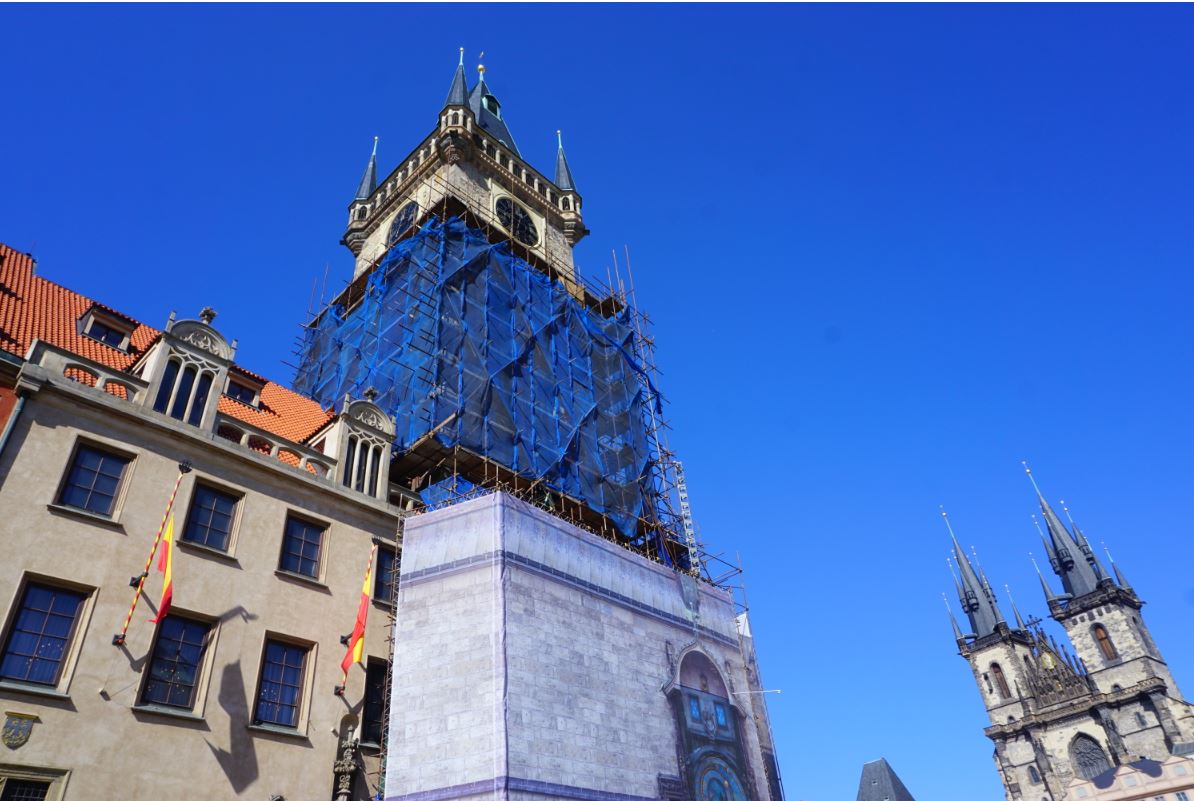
[{"x": 1057, "y": 719}]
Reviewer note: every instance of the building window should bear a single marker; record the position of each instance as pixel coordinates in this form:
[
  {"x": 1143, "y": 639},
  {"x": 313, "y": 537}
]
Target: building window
[
  {"x": 1000, "y": 682},
  {"x": 301, "y": 543},
  {"x": 24, "y": 790},
  {"x": 385, "y": 579},
  {"x": 1103, "y": 639},
  {"x": 93, "y": 481},
  {"x": 1034, "y": 775},
  {"x": 106, "y": 329},
  {"x": 279, "y": 694},
  {"x": 183, "y": 392},
  {"x": 40, "y": 634},
  {"x": 175, "y": 662},
  {"x": 372, "y": 717},
  {"x": 1182, "y": 797},
  {"x": 694, "y": 708},
  {"x": 210, "y": 519},
  {"x": 241, "y": 392}
]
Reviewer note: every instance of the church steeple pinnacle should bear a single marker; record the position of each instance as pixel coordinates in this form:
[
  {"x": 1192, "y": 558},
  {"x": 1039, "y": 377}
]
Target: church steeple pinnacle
[
  {"x": 974, "y": 593},
  {"x": 488, "y": 112},
  {"x": 563, "y": 174},
  {"x": 369, "y": 179},
  {"x": 458, "y": 92},
  {"x": 1072, "y": 558}
]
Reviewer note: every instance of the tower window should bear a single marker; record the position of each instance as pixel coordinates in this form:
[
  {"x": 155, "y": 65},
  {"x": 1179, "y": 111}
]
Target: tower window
[
  {"x": 1034, "y": 775},
  {"x": 1000, "y": 681},
  {"x": 1103, "y": 639}
]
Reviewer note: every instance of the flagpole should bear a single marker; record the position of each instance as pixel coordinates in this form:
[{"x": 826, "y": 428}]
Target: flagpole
[{"x": 138, "y": 582}]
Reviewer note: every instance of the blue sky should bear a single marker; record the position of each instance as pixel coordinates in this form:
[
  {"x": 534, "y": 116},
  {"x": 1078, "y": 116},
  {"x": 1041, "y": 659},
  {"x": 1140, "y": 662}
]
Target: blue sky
[{"x": 889, "y": 252}]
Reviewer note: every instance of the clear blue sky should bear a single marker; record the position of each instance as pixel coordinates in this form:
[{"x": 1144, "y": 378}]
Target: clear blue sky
[{"x": 889, "y": 251}]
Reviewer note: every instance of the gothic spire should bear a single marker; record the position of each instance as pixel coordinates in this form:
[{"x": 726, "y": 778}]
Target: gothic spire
[
  {"x": 488, "y": 112},
  {"x": 1049, "y": 596},
  {"x": 1075, "y": 564},
  {"x": 369, "y": 179},
  {"x": 563, "y": 174},
  {"x": 1015, "y": 612},
  {"x": 974, "y": 593},
  {"x": 458, "y": 92}
]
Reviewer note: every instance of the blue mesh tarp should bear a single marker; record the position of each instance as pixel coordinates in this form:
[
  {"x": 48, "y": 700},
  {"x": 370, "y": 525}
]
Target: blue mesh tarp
[{"x": 464, "y": 340}]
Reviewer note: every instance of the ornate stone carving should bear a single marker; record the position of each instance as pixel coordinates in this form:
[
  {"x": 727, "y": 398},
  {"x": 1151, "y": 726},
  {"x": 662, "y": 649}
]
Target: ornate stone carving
[
  {"x": 201, "y": 336},
  {"x": 370, "y": 414},
  {"x": 345, "y": 768}
]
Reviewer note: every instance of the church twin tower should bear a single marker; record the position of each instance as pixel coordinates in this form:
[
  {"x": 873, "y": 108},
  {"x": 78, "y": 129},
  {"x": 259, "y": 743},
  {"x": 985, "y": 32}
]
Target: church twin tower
[{"x": 1057, "y": 717}]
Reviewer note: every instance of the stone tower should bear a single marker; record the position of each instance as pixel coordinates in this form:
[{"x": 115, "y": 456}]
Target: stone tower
[
  {"x": 554, "y": 637},
  {"x": 1058, "y": 718}
]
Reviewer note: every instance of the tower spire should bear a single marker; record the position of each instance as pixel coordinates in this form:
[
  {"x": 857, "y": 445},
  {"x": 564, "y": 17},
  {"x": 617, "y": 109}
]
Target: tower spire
[
  {"x": 1049, "y": 596},
  {"x": 369, "y": 179},
  {"x": 1074, "y": 563},
  {"x": 1119, "y": 576},
  {"x": 974, "y": 593},
  {"x": 458, "y": 92},
  {"x": 563, "y": 174},
  {"x": 1015, "y": 612},
  {"x": 488, "y": 112}
]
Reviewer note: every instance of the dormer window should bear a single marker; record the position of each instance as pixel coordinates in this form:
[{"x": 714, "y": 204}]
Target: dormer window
[
  {"x": 106, "y": 329},
  {"x": 492, "y": 105},
  {"x": 243, "y": 391}
]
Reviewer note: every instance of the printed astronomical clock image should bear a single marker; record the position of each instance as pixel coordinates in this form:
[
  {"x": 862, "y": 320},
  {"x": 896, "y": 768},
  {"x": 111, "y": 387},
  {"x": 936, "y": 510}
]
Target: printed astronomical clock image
[{"x": 709, "y": 730}]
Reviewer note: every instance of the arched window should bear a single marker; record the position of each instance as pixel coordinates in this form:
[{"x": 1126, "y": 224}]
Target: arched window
[
  {"x": 1103, "y": 639},
  {"x": 1034, "y": 775},
  {"x": 1000, "y": 681},
  {"x": 1087, "y": 757}
]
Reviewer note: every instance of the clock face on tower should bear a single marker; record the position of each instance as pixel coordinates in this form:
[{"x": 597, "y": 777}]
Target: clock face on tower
[
  {"x": 717, "y": 781},
  {"x": 517, "y": 220},
  {"x": 403, "y": 220}
]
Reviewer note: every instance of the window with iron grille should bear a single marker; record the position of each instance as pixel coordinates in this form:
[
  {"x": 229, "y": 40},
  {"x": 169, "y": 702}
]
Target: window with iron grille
[
  {"x": 376, "y": 674},
  {"x": 279, "y": 693},
  {"x": 40, "y": 634},
  {"x": 301, "y": 542},
  {"x": 93, "y": 480},
  {"x": 210, "y": 519},
  {"x": 175, "y": 662},
  {"x": 24, "y": 790}
]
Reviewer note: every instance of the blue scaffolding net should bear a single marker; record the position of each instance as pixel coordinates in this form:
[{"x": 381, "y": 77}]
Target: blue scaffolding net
[{"x": 469, "y": 344}]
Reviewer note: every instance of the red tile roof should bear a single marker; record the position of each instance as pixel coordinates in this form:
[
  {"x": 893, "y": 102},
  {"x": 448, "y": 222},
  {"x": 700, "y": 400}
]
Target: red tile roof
[{"x": 33, "y": 308}]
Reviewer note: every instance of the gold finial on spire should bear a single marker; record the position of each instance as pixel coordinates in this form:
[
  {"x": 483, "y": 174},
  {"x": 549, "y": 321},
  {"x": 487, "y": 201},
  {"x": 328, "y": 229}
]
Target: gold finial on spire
[
  {"x": 375, "y": 139},
  {"x": 462, "y": 56},
  {"x": 481, "y": 64},
  {"x": 560, "y": 138}
]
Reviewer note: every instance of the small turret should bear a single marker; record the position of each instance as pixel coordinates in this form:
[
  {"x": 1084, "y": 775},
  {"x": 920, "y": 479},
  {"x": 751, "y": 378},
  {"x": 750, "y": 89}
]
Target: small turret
[
  {"x": 458, "y": 91},
  {"x": 563, "y": 174},
  {"x": 369, "y": 179}
]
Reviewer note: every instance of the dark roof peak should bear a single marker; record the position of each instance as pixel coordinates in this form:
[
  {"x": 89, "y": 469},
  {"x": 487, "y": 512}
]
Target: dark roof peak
[
  {"x": 880, "y": 783},
  {"x": 458, "y": 91},
  {"x": 563, "y": 173}
]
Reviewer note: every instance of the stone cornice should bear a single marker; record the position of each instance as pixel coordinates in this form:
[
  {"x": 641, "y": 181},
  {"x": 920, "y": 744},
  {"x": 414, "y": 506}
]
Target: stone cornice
[{"x": 1074, "y": 708}]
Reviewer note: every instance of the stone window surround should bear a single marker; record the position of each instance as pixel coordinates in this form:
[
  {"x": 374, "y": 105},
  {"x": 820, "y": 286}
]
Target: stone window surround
[
  {"x": 70, "y": 660},
  {"x": 324, "y": 542},
  {"x": 305, "y": 693},
  {"x": 125, "y": 479},
  {"x": 57, "y": 778},
  {"x": 202, "y": 680},
  {"x": 203, "y": 480}
]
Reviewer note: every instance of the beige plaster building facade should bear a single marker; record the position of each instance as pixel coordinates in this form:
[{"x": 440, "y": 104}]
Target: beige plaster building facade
[{"x": 234, "y": 693}]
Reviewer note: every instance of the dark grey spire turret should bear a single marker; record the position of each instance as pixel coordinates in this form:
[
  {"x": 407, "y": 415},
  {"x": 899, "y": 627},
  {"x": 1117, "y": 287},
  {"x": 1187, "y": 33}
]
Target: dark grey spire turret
[
  {"x": 458, "y": 92},
  {"x": 974, "y": 593},
  {"x": 1072, "y": 559},
  {"x": 488, "y": 112},
  {"x": 563, "y": 174},
  {"x": 369, "y": 179},
  {"x": 880, "y": 783}
]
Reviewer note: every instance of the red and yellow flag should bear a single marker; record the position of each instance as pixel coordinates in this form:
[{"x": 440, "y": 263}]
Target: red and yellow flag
[
  {"x": 356, "y": 642},
  {"x": 166, "y": 568}
]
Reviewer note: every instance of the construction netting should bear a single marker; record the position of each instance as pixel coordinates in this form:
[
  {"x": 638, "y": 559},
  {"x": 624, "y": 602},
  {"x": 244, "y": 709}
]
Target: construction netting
[{"x": 469, "y": 344}]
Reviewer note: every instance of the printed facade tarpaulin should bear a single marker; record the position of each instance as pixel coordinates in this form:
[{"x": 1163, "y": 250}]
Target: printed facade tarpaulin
[{"x": 467, "y": 342}]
